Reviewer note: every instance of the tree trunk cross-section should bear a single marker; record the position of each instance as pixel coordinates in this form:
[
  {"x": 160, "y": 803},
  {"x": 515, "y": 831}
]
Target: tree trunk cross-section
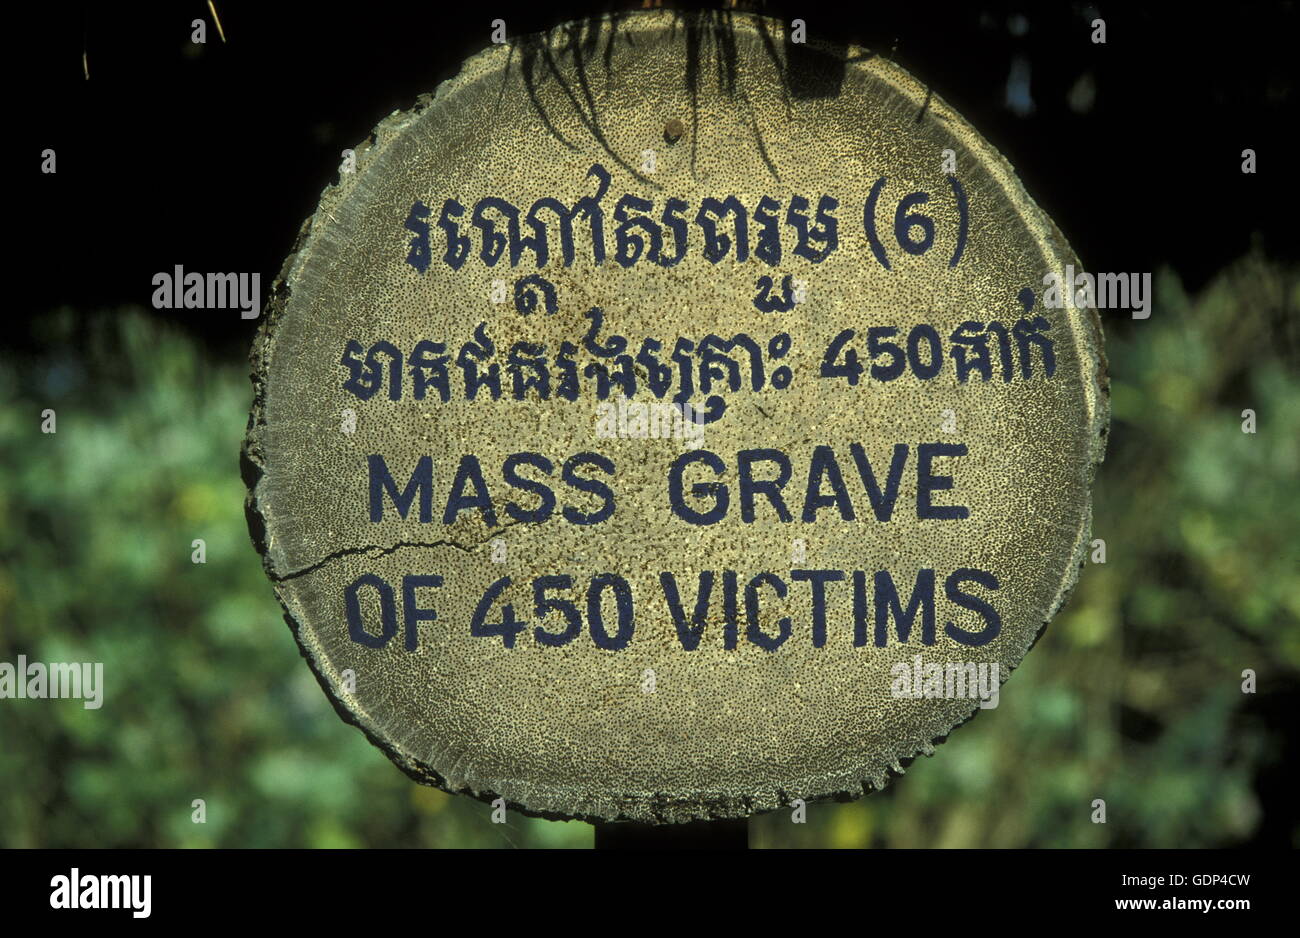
[{"x": 897, "y": 426}]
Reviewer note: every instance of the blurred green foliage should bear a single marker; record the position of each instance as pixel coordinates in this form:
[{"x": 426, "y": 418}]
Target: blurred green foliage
[{"x": 1133, "y": 695}]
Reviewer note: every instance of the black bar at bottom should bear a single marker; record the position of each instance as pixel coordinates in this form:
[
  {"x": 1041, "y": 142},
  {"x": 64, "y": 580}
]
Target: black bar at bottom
[{"x": 697, "y": 835}]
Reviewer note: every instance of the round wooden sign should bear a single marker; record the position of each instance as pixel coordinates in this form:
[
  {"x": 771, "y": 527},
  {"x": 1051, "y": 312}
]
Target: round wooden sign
[{"x": 665, "y": 420}]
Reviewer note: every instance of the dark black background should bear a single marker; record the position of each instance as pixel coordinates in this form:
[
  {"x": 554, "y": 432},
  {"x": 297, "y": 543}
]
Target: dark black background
[
  {"x": 211, "y": 157},
  {"x": 321, "y": 891}
]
